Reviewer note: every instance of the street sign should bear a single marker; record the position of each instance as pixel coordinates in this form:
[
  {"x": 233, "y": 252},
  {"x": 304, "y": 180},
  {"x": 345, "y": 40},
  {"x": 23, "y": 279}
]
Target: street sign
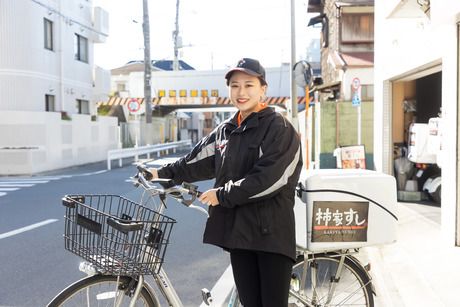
[
  {"x": 355, "y": 84},
  {"x": 134, "y": 106},
  {"x": 356, "y": 100},
  {"x": 356, "y": 92}
]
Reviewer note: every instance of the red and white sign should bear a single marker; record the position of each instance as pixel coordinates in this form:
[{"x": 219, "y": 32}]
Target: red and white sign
[
  {"x": 356, "y": 83},
  {"x": 134, "y": 106}
]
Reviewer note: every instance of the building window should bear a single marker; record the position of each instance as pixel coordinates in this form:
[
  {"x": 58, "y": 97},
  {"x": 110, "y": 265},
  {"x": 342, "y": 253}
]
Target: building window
[
  {"x": 81, "y": 48},
  {"x": 49, "y": 103},
  {"x": 204, "y": 93},
  {"x": 194, "y": 93},
  {"x": 48, "y": 27},
  {"x": 172, "y": 93},
  {"x": 82, "y": 106},
  {"x": 161, "y": 93},
  {"x": 214, "y": 93},
  {"x": 183, "y": 93},
  {"x": 357, "y": 28},
  {"x": 121, "y": 87}
]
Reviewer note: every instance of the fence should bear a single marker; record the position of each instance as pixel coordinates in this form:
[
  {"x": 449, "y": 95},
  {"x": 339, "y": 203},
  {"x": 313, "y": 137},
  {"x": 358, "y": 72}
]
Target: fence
[{"x": 119, "y": 154}]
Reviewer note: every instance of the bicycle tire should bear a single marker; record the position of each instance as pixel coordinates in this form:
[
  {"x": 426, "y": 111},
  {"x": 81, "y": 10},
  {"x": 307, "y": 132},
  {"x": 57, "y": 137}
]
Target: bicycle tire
[
  {"x": 101, "y": 288},
  {"x": 353, "y": 288}
]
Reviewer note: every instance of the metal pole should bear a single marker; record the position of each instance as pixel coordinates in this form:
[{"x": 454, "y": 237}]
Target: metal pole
[
  {"x": 176, "y": 39},
  {"x": 307, "y": 140},
  {"x": 359, "y": 124},
  {"x": 147, "y": 64},
  {"x": 317, "y": 131},
  {"x": 293, "y": 114}
]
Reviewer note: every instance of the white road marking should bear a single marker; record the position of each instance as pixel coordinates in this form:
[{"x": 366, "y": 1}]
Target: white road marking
[
  {"x": 10, "y": 184},
  {"x": 27, "y": 228},
  {"x": 20, "y": 185},
  {"x": 28, "y": 181},
  {"x": 92, "y": 173},
  {"x": 8, "y": 189}
]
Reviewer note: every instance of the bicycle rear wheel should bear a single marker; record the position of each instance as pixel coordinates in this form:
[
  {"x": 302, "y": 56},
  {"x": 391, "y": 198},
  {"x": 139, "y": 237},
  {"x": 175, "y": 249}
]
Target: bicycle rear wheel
[
  {"x": 352, "y": 288},
  {"x": 100, "y": 290}
]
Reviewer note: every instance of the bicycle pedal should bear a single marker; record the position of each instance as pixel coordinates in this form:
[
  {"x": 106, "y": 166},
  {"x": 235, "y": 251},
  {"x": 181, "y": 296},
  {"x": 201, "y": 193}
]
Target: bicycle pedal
[{"x": 206, "y": 296}]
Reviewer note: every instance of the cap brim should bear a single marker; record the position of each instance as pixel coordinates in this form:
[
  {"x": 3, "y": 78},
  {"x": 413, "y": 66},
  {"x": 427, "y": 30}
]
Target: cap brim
[{"x": 247, "y": 71}]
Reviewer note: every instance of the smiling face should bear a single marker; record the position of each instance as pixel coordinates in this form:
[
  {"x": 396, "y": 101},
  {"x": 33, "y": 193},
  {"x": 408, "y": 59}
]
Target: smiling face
[{"x": 246, "y": 92}]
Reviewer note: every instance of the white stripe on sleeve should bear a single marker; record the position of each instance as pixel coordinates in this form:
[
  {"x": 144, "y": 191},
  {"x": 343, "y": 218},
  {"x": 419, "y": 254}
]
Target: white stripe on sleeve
[
  {"x": 205, "y": 152},
  {"x": 284, "y": 178}
]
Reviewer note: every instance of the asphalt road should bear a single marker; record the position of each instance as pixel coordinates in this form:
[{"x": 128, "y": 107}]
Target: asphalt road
[{"x": 34, "y": 266}]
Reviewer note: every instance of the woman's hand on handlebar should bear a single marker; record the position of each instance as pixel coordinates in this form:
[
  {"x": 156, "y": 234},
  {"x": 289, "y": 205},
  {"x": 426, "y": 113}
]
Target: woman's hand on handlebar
[
  {"x": 153, "y": 173},
  {"x": 209, "y": 198}
]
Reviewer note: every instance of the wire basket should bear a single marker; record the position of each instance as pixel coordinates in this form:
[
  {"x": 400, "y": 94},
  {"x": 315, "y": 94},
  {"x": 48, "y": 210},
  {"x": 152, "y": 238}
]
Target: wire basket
[{"x": 116, "y": 235}]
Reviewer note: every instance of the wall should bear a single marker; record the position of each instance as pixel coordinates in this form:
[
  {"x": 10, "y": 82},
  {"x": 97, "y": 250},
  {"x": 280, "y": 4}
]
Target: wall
[
  {"x": 339, "y": 127},
  {"x": 424, "y": 44},
  {"x": 32, "y": 142}
]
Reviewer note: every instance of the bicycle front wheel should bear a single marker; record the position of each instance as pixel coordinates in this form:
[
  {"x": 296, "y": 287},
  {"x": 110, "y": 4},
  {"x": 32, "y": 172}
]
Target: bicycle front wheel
[
  {"x": 325, "y": 284},
  {"x": 101, "y": 290}
]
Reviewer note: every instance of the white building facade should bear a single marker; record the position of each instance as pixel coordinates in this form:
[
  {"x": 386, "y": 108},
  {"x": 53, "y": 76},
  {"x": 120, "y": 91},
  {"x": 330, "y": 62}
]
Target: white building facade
[
  {"x": 416, "y": 55},
  {"x": 47, "y": 74}
]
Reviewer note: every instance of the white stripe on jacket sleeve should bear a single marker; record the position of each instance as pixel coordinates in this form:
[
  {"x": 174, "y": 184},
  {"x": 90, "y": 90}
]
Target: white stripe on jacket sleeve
[
  {"x": 284, "y": 177},
  {"x": 205, "y": 152}
]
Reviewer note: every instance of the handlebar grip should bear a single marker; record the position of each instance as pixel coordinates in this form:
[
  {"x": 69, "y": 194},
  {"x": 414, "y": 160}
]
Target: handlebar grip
[
  {"x": 145, "y": 172},
  {"x": 125, "y": 227}
]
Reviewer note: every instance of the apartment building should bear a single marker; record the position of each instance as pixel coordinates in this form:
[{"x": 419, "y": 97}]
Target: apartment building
[{"x": 49, "y": 85}]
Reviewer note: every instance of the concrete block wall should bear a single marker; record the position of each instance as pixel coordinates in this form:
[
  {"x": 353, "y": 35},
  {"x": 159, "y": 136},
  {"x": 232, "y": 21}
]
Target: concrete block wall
[{"x": 32, "y": 142}]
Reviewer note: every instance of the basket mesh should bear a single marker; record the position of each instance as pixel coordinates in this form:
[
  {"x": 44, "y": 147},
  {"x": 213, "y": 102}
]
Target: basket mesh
[{"x": 116, "y": 235}]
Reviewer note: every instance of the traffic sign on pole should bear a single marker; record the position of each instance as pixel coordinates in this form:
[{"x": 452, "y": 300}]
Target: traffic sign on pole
[
  {"x": 134, "y": 106},
  {"x": 356, "y": 83}
]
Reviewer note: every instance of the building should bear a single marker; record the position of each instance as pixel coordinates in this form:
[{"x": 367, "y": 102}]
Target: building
[
  {"x": 417, "y": 51},
  {"x": 346, "y": 97},
  {"x": 49, "y": 85}
]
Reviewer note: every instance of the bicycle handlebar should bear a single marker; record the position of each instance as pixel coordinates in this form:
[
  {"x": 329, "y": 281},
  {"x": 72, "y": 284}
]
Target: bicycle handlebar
[{"x": 168, "y": 188}]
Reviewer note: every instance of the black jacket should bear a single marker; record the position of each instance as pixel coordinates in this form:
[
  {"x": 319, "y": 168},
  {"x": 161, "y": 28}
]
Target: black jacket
[{"x": 256, "y": 167}]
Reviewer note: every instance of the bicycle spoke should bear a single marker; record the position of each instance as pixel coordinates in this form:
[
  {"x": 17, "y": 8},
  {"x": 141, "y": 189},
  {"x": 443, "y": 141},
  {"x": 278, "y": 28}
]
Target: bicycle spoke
[{"x": 326, "y": 284}]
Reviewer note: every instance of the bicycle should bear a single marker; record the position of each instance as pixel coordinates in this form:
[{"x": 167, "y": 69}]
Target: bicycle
[
  {"x": 334, "y": 278},
  {"x": 121, "y": 242}
]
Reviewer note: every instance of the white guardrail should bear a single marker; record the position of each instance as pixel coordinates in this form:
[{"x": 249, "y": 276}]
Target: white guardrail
[{"x": 119, "y": 154}]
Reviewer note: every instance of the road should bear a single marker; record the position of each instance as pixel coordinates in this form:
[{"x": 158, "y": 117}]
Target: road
[{"x": 33, "y": 263}]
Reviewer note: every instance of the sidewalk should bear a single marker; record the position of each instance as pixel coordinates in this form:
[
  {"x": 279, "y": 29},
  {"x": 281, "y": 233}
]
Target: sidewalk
[{"x": 420, "y": 269}]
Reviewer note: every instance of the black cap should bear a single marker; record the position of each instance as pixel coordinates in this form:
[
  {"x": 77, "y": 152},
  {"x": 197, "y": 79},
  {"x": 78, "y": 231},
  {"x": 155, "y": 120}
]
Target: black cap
[{"x": 249, "y": 66}]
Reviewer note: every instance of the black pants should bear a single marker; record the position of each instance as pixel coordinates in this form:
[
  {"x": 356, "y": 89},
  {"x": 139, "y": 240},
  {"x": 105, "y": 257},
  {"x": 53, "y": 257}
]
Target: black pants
[{"x": 262, "y": 279}]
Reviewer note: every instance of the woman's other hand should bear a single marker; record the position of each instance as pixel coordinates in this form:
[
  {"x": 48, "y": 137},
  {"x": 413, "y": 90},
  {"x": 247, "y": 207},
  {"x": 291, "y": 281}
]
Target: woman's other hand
[{"x": 209, "y": 197}]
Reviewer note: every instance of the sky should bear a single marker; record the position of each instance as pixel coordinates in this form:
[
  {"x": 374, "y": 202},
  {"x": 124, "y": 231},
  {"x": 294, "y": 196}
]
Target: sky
[{"x": 215, "y": 33}]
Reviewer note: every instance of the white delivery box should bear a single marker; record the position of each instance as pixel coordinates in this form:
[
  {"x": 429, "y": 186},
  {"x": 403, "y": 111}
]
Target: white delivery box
[{"x": 344, "y": 208}]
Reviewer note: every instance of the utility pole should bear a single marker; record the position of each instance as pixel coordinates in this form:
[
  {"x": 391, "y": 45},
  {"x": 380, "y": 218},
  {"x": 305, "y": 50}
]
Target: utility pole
[
  {"x": 147, "y": 64},
  {"x": 176, "y": 39},
  {"x": 293, "y": 114}
]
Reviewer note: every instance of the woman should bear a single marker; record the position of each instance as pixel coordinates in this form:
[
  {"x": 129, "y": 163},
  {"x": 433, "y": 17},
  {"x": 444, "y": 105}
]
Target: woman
[{"x": 256, "y": 161}]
